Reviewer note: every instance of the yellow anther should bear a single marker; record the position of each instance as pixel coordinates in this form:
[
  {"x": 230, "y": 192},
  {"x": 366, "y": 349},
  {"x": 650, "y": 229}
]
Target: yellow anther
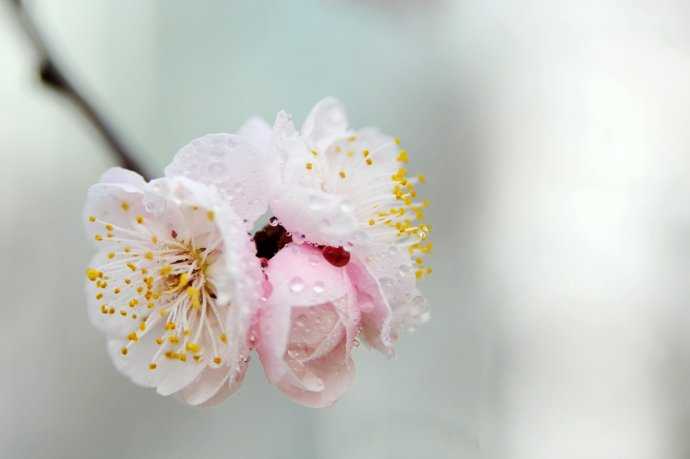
[
  {"x": 159, "y": 340},
  {"x": 314, "y": 152},
  {"x": 111, "y": 255},
  {"x": 148, "y": 255},
  {"x": 350, "y": 154},
  {"x": 127, "y": 249},
  {"x": 123, "y": 313},
  {"x": 124, "y": 206},
  {"x": 182, "y": 357},
  {"x": 419, "y": 261},
  {"x": 108, "y": 227},
  {"x": 422, "y": 178},
  {"x": 134, "y": 316},
  {"x": 338, "y": 149},
  {"x": 93, "y": 274},
  {"x": 140, "y": 219},
  {"x": 211, "y": 215},
  {"x": 99, "y": 295},
  {"x": 154, "y": 239},
  {"x": 365, "y": 153},
  {"x": 182, "y": 283},
  {"x": 104, "y": 309},
  {"x": 98, "y": 237},
  {"x": 192, "y": 347},
  {"x": 173, "y": 339},
  {"x": 403, "y": 157},
  {"x": 397, "y": 140},
  {"x": 419, "y": 273},
  {"x": 133, "y": 302},
  {"x": 132, "y": 266},
  {"x": 144, "y": 271},
  {"x": 165, "y": 270},
  {"x": 352, "y": 138},
  {"x": 217, "y": 360},
  {"x": 223, "y": 338},
  {"x": 151, "y": 305},
  {"x": 372, "y": 222},
  {"x": 142, "y": 326},
  {"x": 133, "y": 336},
  {"x": 197, "y": 358},
  {"x": 140, "y": 290},
  {"x": 342, "y": 174},
  {"x": 170, "y": 326},
  {"x": 309, "y": 166},
  {"x": 92, "y": 219},
  {"x": 152, "y": 366},
  {"x": 124, "y": 351},
  {"x": 116, "y": 291},
  {"x": 193, "y": 294},
  {"x": 186, "y": 332},
  {"x": 111, "y": 311},
  {"x": 128, "y": 280},
  {"x": 369, "y": 161}
]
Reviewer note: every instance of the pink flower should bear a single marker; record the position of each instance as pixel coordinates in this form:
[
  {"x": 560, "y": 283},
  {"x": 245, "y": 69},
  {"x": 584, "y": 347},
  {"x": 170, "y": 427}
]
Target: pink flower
[{"x": 309, "y": 324}]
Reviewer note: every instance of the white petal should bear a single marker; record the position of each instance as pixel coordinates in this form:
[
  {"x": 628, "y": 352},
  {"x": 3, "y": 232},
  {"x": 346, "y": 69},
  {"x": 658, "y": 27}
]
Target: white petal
[
  {"x": 257, "y": 132},
  {"x": 122, "y": 176},
  {"x": 326, "y": 122},
  {"x": 230, "y": 163}
]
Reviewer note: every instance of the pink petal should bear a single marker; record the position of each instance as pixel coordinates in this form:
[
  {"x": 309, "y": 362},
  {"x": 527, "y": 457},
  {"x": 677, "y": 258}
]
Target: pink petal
[
  {"x": 336, "y": 372},
  {"x": 376, "y": 312},
  {"x": 303, "y": 284}
]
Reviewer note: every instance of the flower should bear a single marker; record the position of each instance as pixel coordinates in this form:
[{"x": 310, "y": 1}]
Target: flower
[
  {"x": 349, "y": 190},
  {"x": 308, "y": 327},
  {"x": 174, "y": 284}
]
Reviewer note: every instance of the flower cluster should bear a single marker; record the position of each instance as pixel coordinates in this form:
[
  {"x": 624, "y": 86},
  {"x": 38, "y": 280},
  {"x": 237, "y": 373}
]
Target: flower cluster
[{"x": 185, "y": 290}]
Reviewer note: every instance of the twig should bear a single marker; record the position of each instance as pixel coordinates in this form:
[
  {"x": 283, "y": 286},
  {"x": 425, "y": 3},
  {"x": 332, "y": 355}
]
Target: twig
[{"x": 53, "y": 77}]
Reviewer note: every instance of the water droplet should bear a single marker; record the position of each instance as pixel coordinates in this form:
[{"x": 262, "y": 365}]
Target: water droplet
[
  {"x": 296, "y": 285},
  {"x": 273, "y": 221},
  {"x": 318, "y": 288},
  {"x": 387, "y": 283},
  {"x": 404, "y": 270},
  {"x": 337, "y": 256},
  {"x": 346, "y": 207},
  {"x": 216, "y": 169}
]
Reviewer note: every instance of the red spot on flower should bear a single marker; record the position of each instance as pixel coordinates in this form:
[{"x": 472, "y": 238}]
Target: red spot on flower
[{"x": 337, "y": 256}]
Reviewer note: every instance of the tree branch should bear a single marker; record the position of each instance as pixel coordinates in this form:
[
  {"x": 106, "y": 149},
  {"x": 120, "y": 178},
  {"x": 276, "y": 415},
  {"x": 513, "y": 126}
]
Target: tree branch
[{"x": 53, "y": 77}]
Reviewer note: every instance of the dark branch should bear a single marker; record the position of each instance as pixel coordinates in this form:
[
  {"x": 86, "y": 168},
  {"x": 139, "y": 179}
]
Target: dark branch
[{"x": 53, "y": 77}]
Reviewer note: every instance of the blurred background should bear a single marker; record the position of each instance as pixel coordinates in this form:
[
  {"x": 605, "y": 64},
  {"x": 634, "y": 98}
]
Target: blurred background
[{"x": 556, "y": 138}]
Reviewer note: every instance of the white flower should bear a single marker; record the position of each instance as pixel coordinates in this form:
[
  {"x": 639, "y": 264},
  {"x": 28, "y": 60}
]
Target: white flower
[
  {"x": 349, "y": 188},
  {"x": 174, "y": 283}
]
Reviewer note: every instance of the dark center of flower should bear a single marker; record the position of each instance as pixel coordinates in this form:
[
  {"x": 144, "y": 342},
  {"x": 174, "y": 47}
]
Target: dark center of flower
[{"x": 270, "y": 239}]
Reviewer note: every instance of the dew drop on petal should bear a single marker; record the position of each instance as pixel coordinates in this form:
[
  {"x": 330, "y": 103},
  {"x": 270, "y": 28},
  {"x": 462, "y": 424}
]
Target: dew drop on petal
[
  {"x": 296, "y": 285},
  {"x": 346, "y": 207},
  {"x": 318, "y": 288},
  {"x": 273, "y": 221},
  {"x": 337, "y": 256},
  {"x": 387, "y": 283},
  {"x": 215, "y": 169}
]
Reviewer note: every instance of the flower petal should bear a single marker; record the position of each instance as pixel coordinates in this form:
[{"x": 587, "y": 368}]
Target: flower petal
[
  {"x": 326, "y": 122},
  {"x": 375, "y": 310},
  {"x": 336, "y": 371},
  {"x": 230, "y": 163}
]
